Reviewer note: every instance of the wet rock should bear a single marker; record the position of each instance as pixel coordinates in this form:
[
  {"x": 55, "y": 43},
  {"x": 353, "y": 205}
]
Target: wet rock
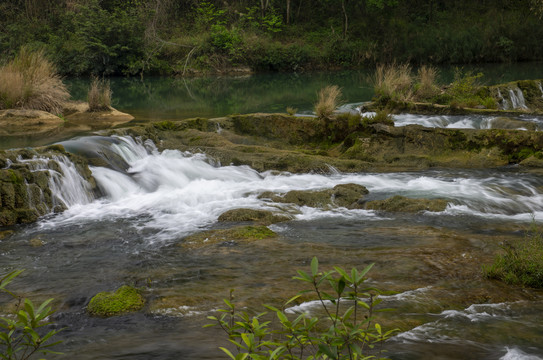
[
  {"x": 343, "y": 195},
  {"x": 36, "y": 242},
  {"x": 124, "y": 300},
  {"x": 403, "y": 204},
  {"x": 24, "y": 185},
  {"x": 512, "y": 124},
  {"x": 17, "y": 122},
  {"x": 263, "y": 217},
  {"x": 349, "y": 196},
  {"x": 236, "y": 234},
  {"x": 4, "y": 234}
]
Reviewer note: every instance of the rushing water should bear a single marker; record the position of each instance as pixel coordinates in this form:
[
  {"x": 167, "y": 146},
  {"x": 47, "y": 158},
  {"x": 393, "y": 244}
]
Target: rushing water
[{"x": 133, "y": 231}]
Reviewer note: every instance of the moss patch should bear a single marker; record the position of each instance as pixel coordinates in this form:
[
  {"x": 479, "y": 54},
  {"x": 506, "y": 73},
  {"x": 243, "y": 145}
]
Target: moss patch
[
  {"x": 344, "y": 195},
  {"x": 126, "y": 299},
  {"x": 238, "y": 234},
  {"x": 402, "y": 204},
  {"x": 263, "y": 217}
]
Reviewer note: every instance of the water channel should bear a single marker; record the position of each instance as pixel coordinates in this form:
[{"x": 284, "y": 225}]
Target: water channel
[{"x": 135, "y": 234}]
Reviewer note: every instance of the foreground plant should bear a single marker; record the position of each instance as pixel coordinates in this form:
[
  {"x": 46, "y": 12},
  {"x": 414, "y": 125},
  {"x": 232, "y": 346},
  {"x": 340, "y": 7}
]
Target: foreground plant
[
  {"x": 23, "y": 333},
  {"x": 522, "y": 262},
  {"x": 346, "y": 330}
]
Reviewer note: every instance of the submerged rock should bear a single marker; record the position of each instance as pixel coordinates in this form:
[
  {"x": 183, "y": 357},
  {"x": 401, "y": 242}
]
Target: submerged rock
[
  {"x": 263, "y": 217},
  {"x": 403, "y": 204},
  {"x": 124, "y": 300},
  {"x": 237, "y": 234}
]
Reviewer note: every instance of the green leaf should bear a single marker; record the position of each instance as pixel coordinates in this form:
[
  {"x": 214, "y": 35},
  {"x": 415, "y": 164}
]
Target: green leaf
[
  {"x": 303, "y": 276},
  {"x": 314, "y": 266},
  {"x": 363, "y": 273},
  {"x": 228, "y": 353},
  {"x": 325, "y": 349}
]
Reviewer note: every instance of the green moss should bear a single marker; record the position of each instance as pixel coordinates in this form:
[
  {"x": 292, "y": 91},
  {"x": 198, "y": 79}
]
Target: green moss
[
  {"x": 402, "y": 204},
  {"x": 260, "y": 216},
  {"x": 126, "y": 299},
  {"x": 165, "y": 125},
  {"x": 254, "y": 232}
]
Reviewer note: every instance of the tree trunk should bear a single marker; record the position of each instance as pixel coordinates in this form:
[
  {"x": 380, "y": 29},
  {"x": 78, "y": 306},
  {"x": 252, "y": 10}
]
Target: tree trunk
[
  {"x": 345, "y": 19},
  {"x": 288, "y": 12}
]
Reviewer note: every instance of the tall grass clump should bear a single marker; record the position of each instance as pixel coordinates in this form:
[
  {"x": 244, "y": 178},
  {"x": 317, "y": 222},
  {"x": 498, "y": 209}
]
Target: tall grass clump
[
  {"x": 328, "y": 100},
  {"x": 393, "y": 82},
  {"x": 426, "y": 87},
  {"x": 99, "y": 95},
  {"x": 520, "y": 263},
  {"x": 30, "y": 81}
]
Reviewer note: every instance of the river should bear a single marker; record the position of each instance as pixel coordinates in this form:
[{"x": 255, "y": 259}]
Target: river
[{"x": 135, "y": 234}]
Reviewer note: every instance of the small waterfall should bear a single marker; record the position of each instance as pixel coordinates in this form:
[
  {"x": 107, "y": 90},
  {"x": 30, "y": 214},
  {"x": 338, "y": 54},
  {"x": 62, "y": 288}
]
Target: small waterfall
[
  {"x": 517, "y": 99},
  {"x": 504, "y": 104},
  {"x": 68, "y": 187},
  {"x": 540, "y": 88}
]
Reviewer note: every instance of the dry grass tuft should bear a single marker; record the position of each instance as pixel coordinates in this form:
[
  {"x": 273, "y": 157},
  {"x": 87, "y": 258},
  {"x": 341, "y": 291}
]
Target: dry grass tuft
[
  {"x": 329, "y": 99},
  {"x": 291, "y": 110},
  {"x": 99, "y": 95},
  {"x": 427, "y": 87},
  {"x": 393, "y": 82},
  {"x": 30, "y": 81}
]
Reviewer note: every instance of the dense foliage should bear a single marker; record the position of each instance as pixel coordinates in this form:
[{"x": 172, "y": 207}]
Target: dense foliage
[{"x": 138, "y": 36}]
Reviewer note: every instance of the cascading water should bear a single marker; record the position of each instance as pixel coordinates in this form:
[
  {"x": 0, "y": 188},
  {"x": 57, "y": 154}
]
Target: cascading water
[
  {"x": 151, "y": 200},
  {"x": 68, "y": 187},
  {"x": 517, "y": 99},
  {"x": 180, "y": 192},
  {"x": 540, "y": 88}
]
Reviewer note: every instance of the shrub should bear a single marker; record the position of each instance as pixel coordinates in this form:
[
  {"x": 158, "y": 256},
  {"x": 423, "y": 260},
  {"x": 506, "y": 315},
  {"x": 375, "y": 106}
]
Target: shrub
[
  {"x": 328, "y": 100},
  {"x": 99, "y": 95},
  {"x": 522, "y": 262},
  {"x": 380, "y": 117},
  {"x": 291, "y": 111},
  {"x": 30, "y": 81},
  {"x": 393, "y": 82},
  {"x": 342, "y": 333},
  {"x": 22, "y": 335}
]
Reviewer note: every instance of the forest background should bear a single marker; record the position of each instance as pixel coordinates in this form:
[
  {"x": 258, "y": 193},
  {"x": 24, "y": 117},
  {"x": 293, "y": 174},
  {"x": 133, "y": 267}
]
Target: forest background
[{"x": 187, "y": 37}]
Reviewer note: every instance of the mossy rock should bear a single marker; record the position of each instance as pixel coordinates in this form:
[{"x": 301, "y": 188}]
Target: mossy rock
[
  {"x": 349, "y": 195},
  {"x": 263, "y": 217},
  {"x": 125, "y": 300},
  {"x": 343, "y": 195},
  {"x": 237, "y": 234},
  {"x": 403, "y": 204}
]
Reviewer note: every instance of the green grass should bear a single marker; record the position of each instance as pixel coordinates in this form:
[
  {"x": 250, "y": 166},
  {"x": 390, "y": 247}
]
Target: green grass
[{"x": 520, "y": 263}]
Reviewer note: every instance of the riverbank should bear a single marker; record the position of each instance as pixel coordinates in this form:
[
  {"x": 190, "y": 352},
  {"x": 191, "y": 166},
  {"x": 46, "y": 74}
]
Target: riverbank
[{"x": 165, "y": 37}]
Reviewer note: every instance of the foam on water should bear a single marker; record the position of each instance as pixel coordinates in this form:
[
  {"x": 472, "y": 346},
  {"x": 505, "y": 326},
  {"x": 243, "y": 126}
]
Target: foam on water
[
  {"x": 175, "y": 193},
  {"x": 517, "y": 354}
]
